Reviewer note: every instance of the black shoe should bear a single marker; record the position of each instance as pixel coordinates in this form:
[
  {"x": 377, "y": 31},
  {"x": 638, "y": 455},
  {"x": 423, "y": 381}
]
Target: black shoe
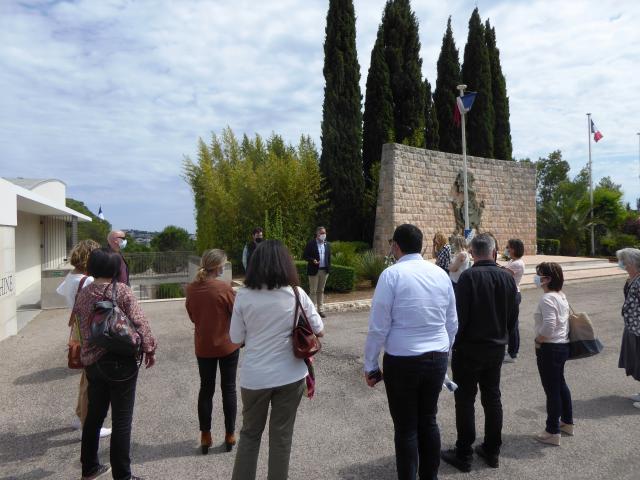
[
  {"x": 322, "y": 314},
  {"x": 461, "y": 462},
  {"x": 490, "y": 459},
  {"x": 101, "y": 472},
  {"x": 133, "y": 477}
]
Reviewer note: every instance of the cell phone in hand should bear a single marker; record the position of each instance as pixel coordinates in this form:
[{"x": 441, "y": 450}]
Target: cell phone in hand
[{"x": 375, "y": 375}]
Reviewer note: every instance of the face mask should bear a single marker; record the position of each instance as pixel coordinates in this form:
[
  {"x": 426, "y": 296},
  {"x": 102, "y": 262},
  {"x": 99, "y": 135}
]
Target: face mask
[
  {"x": 259, "y": 239},
  {"x": 322, "y": 237},
  {"x": 538, "y": 281},
  {"x": 122, "y": 243},
  {"x": 506, "y": 253},
  {"x": 621, "y": 265}
]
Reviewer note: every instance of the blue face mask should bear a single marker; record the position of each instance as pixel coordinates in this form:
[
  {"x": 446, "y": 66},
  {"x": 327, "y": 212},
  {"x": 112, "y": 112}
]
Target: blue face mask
[
  {"x": 537, "y": 280},
  {"x": 621, "y": 265}
]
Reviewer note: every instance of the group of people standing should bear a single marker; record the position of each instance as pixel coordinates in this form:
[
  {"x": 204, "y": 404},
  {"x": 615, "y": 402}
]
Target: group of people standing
[{"x": 422, "y": 316}]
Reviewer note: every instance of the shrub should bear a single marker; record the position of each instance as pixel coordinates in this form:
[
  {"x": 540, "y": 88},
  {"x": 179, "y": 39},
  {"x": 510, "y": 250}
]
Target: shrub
[
  {"x": 612, "y": 243},
  {"x": 170, "y": 290},
  {"x": 341, "y": 278},
  {"x": 371, "y": 266},
  {"x": 550, "y": 246}
]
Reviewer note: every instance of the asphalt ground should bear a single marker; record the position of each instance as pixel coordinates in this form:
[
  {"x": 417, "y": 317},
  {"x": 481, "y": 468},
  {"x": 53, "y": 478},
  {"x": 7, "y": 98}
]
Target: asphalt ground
[{"x": 344, "y": 433}]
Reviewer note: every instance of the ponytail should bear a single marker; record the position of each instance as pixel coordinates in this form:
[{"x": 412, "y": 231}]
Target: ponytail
[{"x": 210, "y": 261}]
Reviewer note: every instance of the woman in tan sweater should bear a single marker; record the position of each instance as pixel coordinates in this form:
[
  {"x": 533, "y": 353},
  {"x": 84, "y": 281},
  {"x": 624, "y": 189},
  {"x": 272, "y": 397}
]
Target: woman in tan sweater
[{"x": 209, "y": 305}]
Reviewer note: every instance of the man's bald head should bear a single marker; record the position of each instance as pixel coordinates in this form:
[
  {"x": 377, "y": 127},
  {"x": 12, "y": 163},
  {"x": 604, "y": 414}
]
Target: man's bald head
[{"x": 113, "y": 238}]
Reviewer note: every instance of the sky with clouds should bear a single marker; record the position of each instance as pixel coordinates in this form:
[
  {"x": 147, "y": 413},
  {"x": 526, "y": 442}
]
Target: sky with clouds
[{"x": 110, "y": 95}]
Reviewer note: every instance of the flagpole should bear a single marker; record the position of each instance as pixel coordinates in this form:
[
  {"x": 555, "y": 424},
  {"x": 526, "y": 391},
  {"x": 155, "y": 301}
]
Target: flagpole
[
  {"x": 464, "y": 168},
  {"x": 593, "y": 241}
]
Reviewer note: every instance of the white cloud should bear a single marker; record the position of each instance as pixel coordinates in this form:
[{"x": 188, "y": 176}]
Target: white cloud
[{"x": 109, "y": 95}]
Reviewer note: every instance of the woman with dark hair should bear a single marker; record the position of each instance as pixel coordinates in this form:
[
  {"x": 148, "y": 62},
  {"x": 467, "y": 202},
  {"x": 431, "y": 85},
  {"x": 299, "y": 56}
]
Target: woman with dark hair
[
  {"x": 112, "y": 378},
  {"x": 515, "y": 252},
  {"x": 263, "y": 319},
  {"x": 209, "y": 304},
  {"x": 552, "y": 351}
]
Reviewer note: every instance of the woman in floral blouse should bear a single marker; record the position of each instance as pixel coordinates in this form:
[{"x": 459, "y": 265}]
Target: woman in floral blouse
[
  {"x": 629, "y": 260},
  {"x": 112, "y": 378}
]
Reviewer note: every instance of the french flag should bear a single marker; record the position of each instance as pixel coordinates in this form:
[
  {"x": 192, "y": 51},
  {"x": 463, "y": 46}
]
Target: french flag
[
  {"x": 463, "y": 105},
  {"x": 596, "y": 133},
  {"x": 100, "y": 214}
]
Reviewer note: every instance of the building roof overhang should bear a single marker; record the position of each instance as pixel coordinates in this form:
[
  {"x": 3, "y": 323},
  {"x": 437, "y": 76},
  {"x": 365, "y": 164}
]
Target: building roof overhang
[{"x": 30, "y": 202}]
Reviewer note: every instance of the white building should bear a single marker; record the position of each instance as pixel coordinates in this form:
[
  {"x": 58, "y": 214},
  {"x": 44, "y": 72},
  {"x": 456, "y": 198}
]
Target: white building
[{"x": 33, "y": 247}]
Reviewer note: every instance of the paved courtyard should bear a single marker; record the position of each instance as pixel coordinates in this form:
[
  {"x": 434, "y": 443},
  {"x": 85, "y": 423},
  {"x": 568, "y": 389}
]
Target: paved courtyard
[{"x": 344, "y": 433}]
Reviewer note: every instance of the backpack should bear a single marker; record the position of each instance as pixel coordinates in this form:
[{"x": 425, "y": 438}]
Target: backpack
[{"x": 111, "y": 329}]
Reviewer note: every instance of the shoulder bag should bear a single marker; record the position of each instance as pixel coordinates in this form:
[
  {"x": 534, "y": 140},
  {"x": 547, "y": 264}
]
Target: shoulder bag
[
  {"x": 111, "y": 329},
  {"x": 582, "y": 340},
  {"x": 305, "y": 343},
  {"x": 75, "y": 337}
]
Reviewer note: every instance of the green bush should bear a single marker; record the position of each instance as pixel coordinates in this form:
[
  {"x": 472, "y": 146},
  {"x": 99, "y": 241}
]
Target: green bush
[
  {"x": 612, "y": 243},
  {"x": 371, "y": 267},
  {"x": 341, "y": 278},
  {"x": 548, "y": 246},
  {"x": 349, "y": 247},
  {"x": 170, "y": 290}
]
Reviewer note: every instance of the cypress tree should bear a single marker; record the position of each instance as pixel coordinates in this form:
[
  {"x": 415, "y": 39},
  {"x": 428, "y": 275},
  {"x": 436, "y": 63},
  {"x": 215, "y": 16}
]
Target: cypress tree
[
  {"x": 476, "y": 74},
  {"x": 402, "y": 53},
  {"x": 378, "y": 109},
  {"x": 341, "y": 159},
  {"x": 502, "y": 148},
  {"x": 431, "y": 136},
  {"x": 444, "y": 96}
]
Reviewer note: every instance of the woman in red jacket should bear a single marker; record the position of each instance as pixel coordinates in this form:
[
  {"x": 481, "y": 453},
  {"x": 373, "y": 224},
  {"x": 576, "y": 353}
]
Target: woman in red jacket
[{"x": 209, "y": 305}]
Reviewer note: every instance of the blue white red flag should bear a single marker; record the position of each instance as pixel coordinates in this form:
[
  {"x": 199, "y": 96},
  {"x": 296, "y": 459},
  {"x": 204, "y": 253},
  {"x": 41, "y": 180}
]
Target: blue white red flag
[
  {"x": 463, "y": 105},
  {"x": 100, "y": 214},
  {"x": 596, "y": 133}
]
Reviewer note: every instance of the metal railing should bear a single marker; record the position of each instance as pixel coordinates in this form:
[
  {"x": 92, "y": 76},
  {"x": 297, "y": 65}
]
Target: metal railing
[{"x": 158, "y": 265}]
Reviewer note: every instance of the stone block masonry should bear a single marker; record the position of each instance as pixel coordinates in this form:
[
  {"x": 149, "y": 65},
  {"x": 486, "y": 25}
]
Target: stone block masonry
[{"x": 419, "y": 186}]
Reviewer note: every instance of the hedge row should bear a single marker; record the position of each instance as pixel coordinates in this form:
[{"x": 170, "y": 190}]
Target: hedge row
[
  {"x": 548, "y": 246},
  {"x": 341, "y": 279}
]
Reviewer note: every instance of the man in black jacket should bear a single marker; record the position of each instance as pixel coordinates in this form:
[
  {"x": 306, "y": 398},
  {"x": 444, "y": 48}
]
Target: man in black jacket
[
  {"x": 487, "y": 312},
  {"x": 317, "y": 254}
]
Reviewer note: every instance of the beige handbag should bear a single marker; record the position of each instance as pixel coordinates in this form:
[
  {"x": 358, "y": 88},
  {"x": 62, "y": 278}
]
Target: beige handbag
[{"x": 582, "y": 339}]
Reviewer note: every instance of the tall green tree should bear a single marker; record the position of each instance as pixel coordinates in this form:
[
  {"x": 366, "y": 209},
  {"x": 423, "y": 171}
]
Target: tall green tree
[
  {"x": 402, "y": 54},
  {"x": 431, "y": 135},
  {"x": 341, "y": 158},
  {"x": 502, "y": 148},
  {"x": 173, "y": 238},
  {"x": 378, "y": 110},
  {"x": 476, "y": 74},
  {"x": 550, "y": 172},
  {"x": 444, "y": 96}
]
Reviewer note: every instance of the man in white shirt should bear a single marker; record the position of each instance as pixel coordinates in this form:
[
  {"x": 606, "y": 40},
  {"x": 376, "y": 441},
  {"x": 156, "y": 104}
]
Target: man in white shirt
[{"x": 413, "y": 317}]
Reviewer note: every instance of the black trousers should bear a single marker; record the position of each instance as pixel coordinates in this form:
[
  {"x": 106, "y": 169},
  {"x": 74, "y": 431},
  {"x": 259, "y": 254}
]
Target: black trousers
[
  {"x": 470, "y": 371},
  {"x": 112, "y": 381},
  {"x": 514, "y": 335},
  {"x": 208, "y": 369},
  {"x": 551, "y": 358},
  {"x": 413, "y": 385}
]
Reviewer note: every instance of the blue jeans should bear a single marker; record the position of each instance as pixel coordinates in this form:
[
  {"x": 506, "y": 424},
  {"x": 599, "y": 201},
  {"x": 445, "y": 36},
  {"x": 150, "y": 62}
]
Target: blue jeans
[
  {"x": 551, "y": 358},
  {"x": 413, "y": 385}
]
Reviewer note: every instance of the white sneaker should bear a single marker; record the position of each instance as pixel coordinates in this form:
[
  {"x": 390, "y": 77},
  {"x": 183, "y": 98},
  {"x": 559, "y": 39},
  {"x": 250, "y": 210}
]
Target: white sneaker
[
  {"x": 508, "y": 358},
  {"x": 105, "y": 432},
  {"x": 76, "y": 424},
  {"x": 635, "y": 398}
]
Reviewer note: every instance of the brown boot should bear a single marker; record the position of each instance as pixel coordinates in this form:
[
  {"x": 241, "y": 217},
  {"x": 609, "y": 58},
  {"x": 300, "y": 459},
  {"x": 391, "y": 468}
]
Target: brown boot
[
  {"x": 205, "y": 442},
  {"x": 229, "y": 441}
]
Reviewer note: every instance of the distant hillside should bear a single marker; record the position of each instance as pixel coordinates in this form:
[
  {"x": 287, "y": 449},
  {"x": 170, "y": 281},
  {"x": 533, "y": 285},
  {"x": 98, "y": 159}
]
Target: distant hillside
[{"x": 96, "y": 229}]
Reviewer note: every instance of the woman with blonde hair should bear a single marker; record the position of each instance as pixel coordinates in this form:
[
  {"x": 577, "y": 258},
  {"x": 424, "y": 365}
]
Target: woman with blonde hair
[
  {"x": 209, "y": 304},
  {"x": 442, "y": 251},
  {"x": 76, "y": 279},
  {"x": 461, "y": 259}
]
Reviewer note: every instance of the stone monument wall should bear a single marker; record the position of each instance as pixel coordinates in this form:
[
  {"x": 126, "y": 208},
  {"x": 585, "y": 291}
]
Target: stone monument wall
[{"x": 424, "y": 187}]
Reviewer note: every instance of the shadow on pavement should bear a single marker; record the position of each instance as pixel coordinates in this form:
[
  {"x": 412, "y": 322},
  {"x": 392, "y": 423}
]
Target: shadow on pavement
[
  {"x": 382, "y": 469},
  {"x": 185, "y": 448},
  {"x": 520, "y": 447},
  {"x": 37, "y": 474},
  {"x": 44, "y": 376},
  {"x": 16, "y": 447},
  {"x": 603, "y": 407}
]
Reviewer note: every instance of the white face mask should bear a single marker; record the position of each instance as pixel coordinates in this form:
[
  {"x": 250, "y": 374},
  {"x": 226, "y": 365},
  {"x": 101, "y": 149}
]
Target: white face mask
[
  {"x": 322, "y": 237},
  {"x": 506, "y": 253},
  {"x": 122, "y": 243},
  {"x": 621, "y": 265},
  {"x": 537, "y": 280}
]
